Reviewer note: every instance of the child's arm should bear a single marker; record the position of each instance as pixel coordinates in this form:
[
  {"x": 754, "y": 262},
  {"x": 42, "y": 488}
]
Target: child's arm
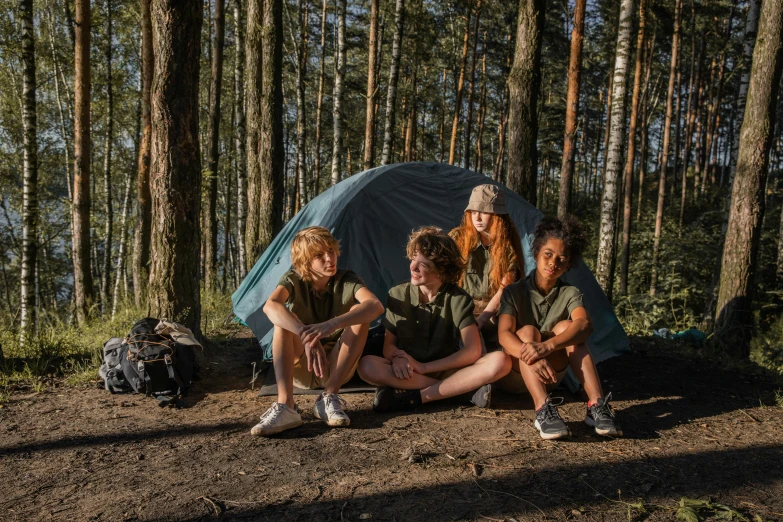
[
  {"x": 577, "y": 332},
  {"x": 401, "y": 365},
  {"x": 277, "y": 312},
  {"x": 465, "y": 356},
  {"x": 366, "y": 311},
  {"x": 494, "y": 303},
  {"x": 507, "y": 336}
]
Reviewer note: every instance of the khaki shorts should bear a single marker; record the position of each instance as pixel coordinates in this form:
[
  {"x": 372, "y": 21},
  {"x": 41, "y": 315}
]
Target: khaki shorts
[
  {"x": 514, "y": 383},
  {"x": 307, "y": 380}
]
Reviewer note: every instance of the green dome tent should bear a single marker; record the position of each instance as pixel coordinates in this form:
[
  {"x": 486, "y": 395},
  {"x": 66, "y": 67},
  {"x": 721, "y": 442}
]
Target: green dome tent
[{"x": 372, "y": 213}]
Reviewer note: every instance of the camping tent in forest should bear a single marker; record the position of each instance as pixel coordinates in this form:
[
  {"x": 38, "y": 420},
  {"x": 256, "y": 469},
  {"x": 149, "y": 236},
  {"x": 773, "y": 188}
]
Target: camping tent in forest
[{"x": 372, "y": 214}]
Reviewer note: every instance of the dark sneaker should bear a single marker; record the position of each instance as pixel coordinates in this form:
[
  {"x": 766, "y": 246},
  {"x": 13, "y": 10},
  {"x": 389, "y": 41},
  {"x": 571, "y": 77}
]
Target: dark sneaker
[
  {"x": 482, "y": 397},
  {"x": 549, "y": 423},
  {"x": 392, "y": 399},
  {"x": 601, "y": 417}
]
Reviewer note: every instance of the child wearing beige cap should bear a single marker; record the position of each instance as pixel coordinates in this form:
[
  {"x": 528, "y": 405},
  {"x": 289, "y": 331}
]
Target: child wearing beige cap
[{"x": 489, "y": 243}]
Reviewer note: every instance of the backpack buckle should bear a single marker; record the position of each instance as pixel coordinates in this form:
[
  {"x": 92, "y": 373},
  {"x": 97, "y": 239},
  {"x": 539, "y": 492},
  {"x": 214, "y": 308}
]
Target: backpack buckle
[{"x": 167, "y": 358}]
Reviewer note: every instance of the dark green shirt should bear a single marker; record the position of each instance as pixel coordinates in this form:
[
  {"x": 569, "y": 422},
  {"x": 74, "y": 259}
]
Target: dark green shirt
[
  {"x": 428, "y": 331},
  {"x": 523, "y": 301},
  {"x": 313, "y": 307},
  {"x": 477, "y": 272}
]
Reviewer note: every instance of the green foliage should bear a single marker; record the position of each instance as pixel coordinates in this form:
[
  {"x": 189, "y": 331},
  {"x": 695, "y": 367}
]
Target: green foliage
[{"x": 694, "y": 510}]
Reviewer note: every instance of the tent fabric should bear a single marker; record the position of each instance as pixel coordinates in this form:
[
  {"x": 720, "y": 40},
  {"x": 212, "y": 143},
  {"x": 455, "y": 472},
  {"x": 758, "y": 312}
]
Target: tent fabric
[{"x": 372, "y": 214}]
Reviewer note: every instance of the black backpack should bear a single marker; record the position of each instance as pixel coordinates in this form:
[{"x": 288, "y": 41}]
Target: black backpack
[{"x": 148, "y": 362}]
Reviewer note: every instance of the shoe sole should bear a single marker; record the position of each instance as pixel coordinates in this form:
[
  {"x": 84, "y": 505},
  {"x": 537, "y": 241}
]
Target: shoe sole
[
  {"x": 334, "y": 423},
  {"x": 550, "y": 436},
  {"x": 616, "y": 432},
  {"x": 488, "y": 397},
  {"x": 274, "y": 431}
]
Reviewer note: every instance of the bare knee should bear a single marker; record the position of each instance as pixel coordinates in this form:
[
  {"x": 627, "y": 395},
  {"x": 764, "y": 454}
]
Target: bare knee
[
  {"x": 529, "y": 333},
  {"x": 499, "y": 363},
  {"x": 369, "y": 368}
]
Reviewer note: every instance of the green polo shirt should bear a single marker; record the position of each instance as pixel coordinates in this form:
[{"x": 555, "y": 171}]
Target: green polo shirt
[
  {"x": 313, "y": 307},
  {"x": 477, "y": 271},
  {"x": 529, "y": 307},
  {"x": 428, "y": 331}
]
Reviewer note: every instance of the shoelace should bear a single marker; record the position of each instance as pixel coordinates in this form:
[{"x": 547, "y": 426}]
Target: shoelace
[
  {"x": 271, "y": 412},
  {"x": 602, "y": 409},
  {"x": 334, "y": 402},
  {"x": 549, "y": 410}
]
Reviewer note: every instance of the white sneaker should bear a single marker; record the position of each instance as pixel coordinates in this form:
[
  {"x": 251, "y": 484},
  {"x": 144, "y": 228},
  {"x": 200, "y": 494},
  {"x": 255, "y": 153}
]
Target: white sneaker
[
  {"x": 276, "y": 419},
  {"x": 329, "y": 408}
]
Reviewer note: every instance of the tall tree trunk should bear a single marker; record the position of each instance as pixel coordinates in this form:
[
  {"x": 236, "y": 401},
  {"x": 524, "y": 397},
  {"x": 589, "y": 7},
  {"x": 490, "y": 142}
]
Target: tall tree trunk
[
  {"x": 176, "y": 164},
  {"x": 482, "y": 110},
  {"x": 58, "y": 74},
  {"x": 213, "y": 136},
  {"x": 28, "y": 311},
  {"x": 740, "y": 251},
  {"x": 319, "y": 107},
  {"x": 337, "y": 98},
  {"x": 265, "y": 152},
  {"x": 572, "y": 110},
  {"x": 372, "y": 88},
  {"x": 410, "y": 126},
  {"x": 240, "y": 136},
  {"x": 715, "y": 103},
  {"x": 471, "y": 92},
  {"x": 391, "y": 94},
  {"x": 119, "y": 273},
  {"x": 141, "y": 238},
  {"x": 460, "y": 86},
  {"x": 107, "y": 152},
  {"x": 597, "y": 149},
  {"x": 301, "y": 114},
  {"x": 692, "y": 112},
  {"x": 666, "y": 141},
  {"x": 82, "y": 272},
  {"x": 629, "y": 160},
  {"x": 523, "y": 82},
  {"x": 614, "y": 151},
  {"x": 607, "y": 130},
  {"x": 441, "y": 135}
]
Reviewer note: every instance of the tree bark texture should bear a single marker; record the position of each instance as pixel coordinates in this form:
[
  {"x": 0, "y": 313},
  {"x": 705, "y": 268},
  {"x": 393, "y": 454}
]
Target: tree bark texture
[
  {"x": 213, "y": 135},
  {"x": 319, "y": 107},
  {"x": 460, "y": 87},
  {"x": 141, "y": 239},
  {"x": 391, "y": 93},
  {"x": 372, "y": 88},
  {"x": 614, "y": 151},
  {"x": 107, "y": 157},
  {"x": 572, "y": 110},
  {"x": 339, "y": 94},
  {"x": 240, "y": 136},
  {"x": 523, "y": 84},
  {"x": 472, "y": 91},
  {"x": 82, "y": 272},
  {"x": 28, "y": 310},
  {"x": 119, "y": 273},
  {"x": 629, "y": 159},
  {"x": 740, "y": 251},
  {"x": 301, "y": 112},
  {"x": 667, "y": 127},
  {"x": 175, "y": 173},
  {"x": 265, "y": 152}
]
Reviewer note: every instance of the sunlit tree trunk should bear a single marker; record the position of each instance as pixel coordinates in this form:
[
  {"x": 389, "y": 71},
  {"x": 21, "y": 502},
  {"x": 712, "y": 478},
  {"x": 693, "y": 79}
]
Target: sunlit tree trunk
[
  {"x": 107, "y": 164},
  {"x": 472, "y": 91},
  {"x": 319, "y": 106},
  {"x": 572, "y": 110},
  {"x": 523, "y": 82},
  {"x": 479, "y": 167},
  {"x": 614, "y": 152},
  {"x": 460, "y": 86},
  {"x": 175, "y": 177},
  {"x": 339, "y": 90},
  {"x": 372, "y": 88},
  {"x": 119, "y": 273},
  {"x": 740, "y": 252},
  {"x": 240, "y": 136},
  {"x": 301, "y": 112},
  {"x": 391, "y": 94}
]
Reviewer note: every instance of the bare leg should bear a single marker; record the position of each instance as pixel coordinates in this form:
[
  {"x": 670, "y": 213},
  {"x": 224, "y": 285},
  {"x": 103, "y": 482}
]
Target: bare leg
[
  {"x": 287, "y": 349},
  {"x": 537, "y": 389},
  {"x": 581, "y": 362},
  {"x": 489, "y": 368},
  {"x": 378, "y": 371},
  {"x": 344, "y": 356}
]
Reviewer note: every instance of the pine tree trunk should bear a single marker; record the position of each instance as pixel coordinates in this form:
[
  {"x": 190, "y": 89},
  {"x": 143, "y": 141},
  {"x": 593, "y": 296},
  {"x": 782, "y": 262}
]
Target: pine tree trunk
[
  {"x": 666, "y": 142},
  {"x": 319, "y": 107},
  {"x": 471, "y": 92},
  {"x": 614, "y": 151},
  {"x": 119, "y": 273},
  {"x": 523, "y": 82},
  {"x": 265, "y": 152},
  {"x": 141, "y": 239},
  {"x": 107, "y": 153},
  {"x": 629, "y": 160},
  {"x": 213, "y": 136},
  {"x": 82, "y": 271},
  {"x": 391, "y": 95},
  {"x": 479, "y": 167},
  {"x": 240, "y": 137},
  {"x": 441, "y": 135},
  {"x": 714, "y": 118},
  {"x": 572, "y": 110},
  {"x": 459, "y": 87},
  {"x": 28, "y": 310},
  {"x": 301, "y": 114},
  {"x": 176, "y": 164},
  {"x": 339, "y": 94},
  {"x": 740, "y": 251},
  {"x": 372, "y": 88}
]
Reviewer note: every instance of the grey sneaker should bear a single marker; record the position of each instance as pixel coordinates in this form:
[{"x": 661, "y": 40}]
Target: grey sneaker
[
  {"x": 329, "y": 408},
  {"x": 482, "y": 398},
  {"x": 276, "y": 419},
  {"x": 601, "y": 417},
  {"x": 548, "y": 421}
]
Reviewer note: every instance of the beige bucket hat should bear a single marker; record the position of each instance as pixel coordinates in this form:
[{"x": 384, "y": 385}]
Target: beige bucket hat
[{"x": 487, "y": 198}]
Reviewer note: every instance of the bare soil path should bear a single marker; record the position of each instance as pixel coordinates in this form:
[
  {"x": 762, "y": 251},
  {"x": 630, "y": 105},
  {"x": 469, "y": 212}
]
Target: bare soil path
[{"x": 692, "y": 430}]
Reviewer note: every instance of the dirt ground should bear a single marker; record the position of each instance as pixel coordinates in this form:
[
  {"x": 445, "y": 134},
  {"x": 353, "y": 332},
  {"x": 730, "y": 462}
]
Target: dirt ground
[{"x": 692, "y": 430}]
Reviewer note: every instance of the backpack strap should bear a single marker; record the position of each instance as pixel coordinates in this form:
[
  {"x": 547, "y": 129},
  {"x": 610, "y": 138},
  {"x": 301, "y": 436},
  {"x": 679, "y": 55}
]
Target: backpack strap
[
  {"x": 144, "y": 377},
  {"x": 174, "y": 374}
]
